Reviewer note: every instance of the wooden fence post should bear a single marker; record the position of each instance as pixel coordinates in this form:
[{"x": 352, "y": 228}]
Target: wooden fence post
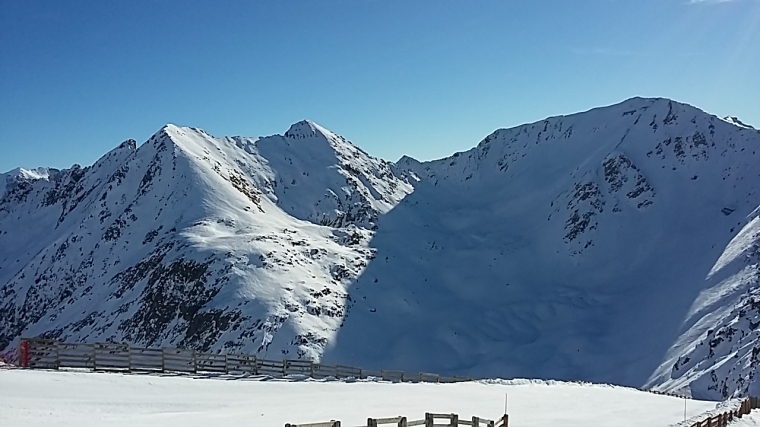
[
  {"x": 371, "y": 422},
  {"x": 428, "y": 419},
  {"x": 402, "y": 422},
  {"x": 454, "y": 420},
  {"x": 129, "y": 358},
  {"x": 475, "y": 422}
]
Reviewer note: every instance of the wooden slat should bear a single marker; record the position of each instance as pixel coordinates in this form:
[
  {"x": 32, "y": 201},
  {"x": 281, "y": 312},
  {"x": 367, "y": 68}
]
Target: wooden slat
[
  {"x": 392, "y": 375},
  {"x": 393, "y": 420},
  {"x": 325, "y": 424},
  {"x": 415, "y": 423},
  {"x": 211, "y": 362}
]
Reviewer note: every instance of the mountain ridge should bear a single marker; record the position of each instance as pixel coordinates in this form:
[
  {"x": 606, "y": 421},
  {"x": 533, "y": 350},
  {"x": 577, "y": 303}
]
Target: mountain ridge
[{"x": 546, "y": 250}]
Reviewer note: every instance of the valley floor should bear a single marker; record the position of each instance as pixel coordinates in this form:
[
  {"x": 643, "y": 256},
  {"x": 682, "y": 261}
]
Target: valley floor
[{"x": 60, "y": 398}]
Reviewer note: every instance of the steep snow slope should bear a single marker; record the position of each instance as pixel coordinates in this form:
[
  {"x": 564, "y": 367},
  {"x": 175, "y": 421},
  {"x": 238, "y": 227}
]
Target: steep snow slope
[
  {"x": 186, "y": 241},
  {"x": 617, "y": 245},
  {"x": 576, "y": 247}
]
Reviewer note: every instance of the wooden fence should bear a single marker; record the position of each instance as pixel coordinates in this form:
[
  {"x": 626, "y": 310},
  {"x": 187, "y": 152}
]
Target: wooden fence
[
  {"x": 722, "y": 419},
  {"x": 430, "y": 420},
  {"x": 52, "y": 354}
]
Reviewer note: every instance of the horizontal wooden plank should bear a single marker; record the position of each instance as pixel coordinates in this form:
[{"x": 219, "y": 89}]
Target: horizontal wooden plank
[
  {"x": 75, "y": 352},
  {"x": 212, "y": 370},
  {"x": 465, "y": 423},
  {"x": 145, "y": 365},
  {"x": 415, "y": 423},
  {"x": 179, "y": 358},
  {"x": 145, "y": 355},
  {"x": 111, "y": 346},
  {"x": 38, "y": 341},
  {"x": 134, "y": 367},
  {"x": 44, "y": 348},
  {"x": 75, "y": 356},
  {"x": 211, "y": 356},
  {"x": 178, "y": 369},
  {"x": 112, "y": 357},
  {"x": 393, "y": 420},
  {"x": 42, "y": 354},
  {"x": 145, "y": 350},
  {"x": 325, "y": 424},
  {"x": 172, "y": 365},
  {"x": 111, "y": 365},
  {"x": 38, "y": 359}
]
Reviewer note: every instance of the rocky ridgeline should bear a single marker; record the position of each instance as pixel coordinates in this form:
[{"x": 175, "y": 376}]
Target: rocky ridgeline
[{"x": 615, "y": 245}]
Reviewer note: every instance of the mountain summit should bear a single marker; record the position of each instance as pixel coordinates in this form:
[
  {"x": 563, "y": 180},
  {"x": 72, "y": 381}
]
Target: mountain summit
[{"x": 616, "y": 245}]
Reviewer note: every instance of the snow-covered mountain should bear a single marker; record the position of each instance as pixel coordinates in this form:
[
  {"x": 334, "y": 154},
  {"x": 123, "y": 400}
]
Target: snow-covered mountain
[
  {"x": 617, "y": 245},
  {"x": 211, "y": 243}
]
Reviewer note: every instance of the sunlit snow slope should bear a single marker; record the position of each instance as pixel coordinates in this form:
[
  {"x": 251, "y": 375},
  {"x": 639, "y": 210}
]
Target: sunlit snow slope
[{"x": 617, "y": 245}]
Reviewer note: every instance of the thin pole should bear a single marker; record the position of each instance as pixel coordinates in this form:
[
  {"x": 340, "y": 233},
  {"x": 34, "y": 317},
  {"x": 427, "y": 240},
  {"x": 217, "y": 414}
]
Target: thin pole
[
  {"x": 506, "y": 398},
  {"x": 684, "y": 409}
]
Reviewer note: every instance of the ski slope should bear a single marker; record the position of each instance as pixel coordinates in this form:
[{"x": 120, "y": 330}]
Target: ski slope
[{"x": 81, "y": 399}]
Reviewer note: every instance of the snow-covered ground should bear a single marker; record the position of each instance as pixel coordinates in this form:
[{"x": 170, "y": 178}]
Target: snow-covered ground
[
  {"x": 45, "y": 398},
  {"x": 747, "y": 421}
]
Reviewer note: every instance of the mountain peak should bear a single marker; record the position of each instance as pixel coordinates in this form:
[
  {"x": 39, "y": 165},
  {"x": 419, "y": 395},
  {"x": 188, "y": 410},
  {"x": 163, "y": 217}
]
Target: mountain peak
[
  {"x": 306, "y": 129},
  {"x": 129, "y": 144}
]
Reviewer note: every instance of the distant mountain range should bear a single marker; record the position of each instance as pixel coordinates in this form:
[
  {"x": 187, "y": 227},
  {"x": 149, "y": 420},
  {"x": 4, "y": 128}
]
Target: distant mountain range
[{"x": 617, "y": 245}]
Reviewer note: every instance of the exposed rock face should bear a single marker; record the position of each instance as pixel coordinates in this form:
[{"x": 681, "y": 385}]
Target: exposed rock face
[{"x": 616, "y": 245}]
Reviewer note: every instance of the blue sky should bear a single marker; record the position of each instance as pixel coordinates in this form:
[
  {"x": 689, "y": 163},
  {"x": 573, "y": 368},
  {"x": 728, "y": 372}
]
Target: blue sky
[{"x": 416, "y": 77}]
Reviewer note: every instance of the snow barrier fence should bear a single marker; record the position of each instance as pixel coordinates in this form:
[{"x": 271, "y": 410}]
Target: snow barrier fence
[{"x": 40, "y": 353}]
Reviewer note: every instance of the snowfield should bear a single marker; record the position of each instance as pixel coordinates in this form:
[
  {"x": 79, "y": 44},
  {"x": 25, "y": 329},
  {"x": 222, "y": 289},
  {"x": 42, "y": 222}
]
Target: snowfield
[{"x": 50, "y": 398}]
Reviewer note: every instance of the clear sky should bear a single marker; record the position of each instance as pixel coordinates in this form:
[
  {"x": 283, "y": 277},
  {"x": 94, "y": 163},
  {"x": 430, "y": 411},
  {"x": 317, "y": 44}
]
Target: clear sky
[{"x": 419, "y": 77}]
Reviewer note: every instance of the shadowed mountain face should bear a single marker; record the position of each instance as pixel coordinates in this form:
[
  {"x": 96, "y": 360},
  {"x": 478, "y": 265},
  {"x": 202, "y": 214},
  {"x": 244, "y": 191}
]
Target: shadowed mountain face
[{"x": 616, "y": 245}]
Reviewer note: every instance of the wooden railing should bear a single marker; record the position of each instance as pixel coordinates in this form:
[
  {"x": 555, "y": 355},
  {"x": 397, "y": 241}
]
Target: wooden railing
[
  {"x": 52, "y": 354},
  {"x": 722, "y": 419},
  {"x": 430, "y": 420}
]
